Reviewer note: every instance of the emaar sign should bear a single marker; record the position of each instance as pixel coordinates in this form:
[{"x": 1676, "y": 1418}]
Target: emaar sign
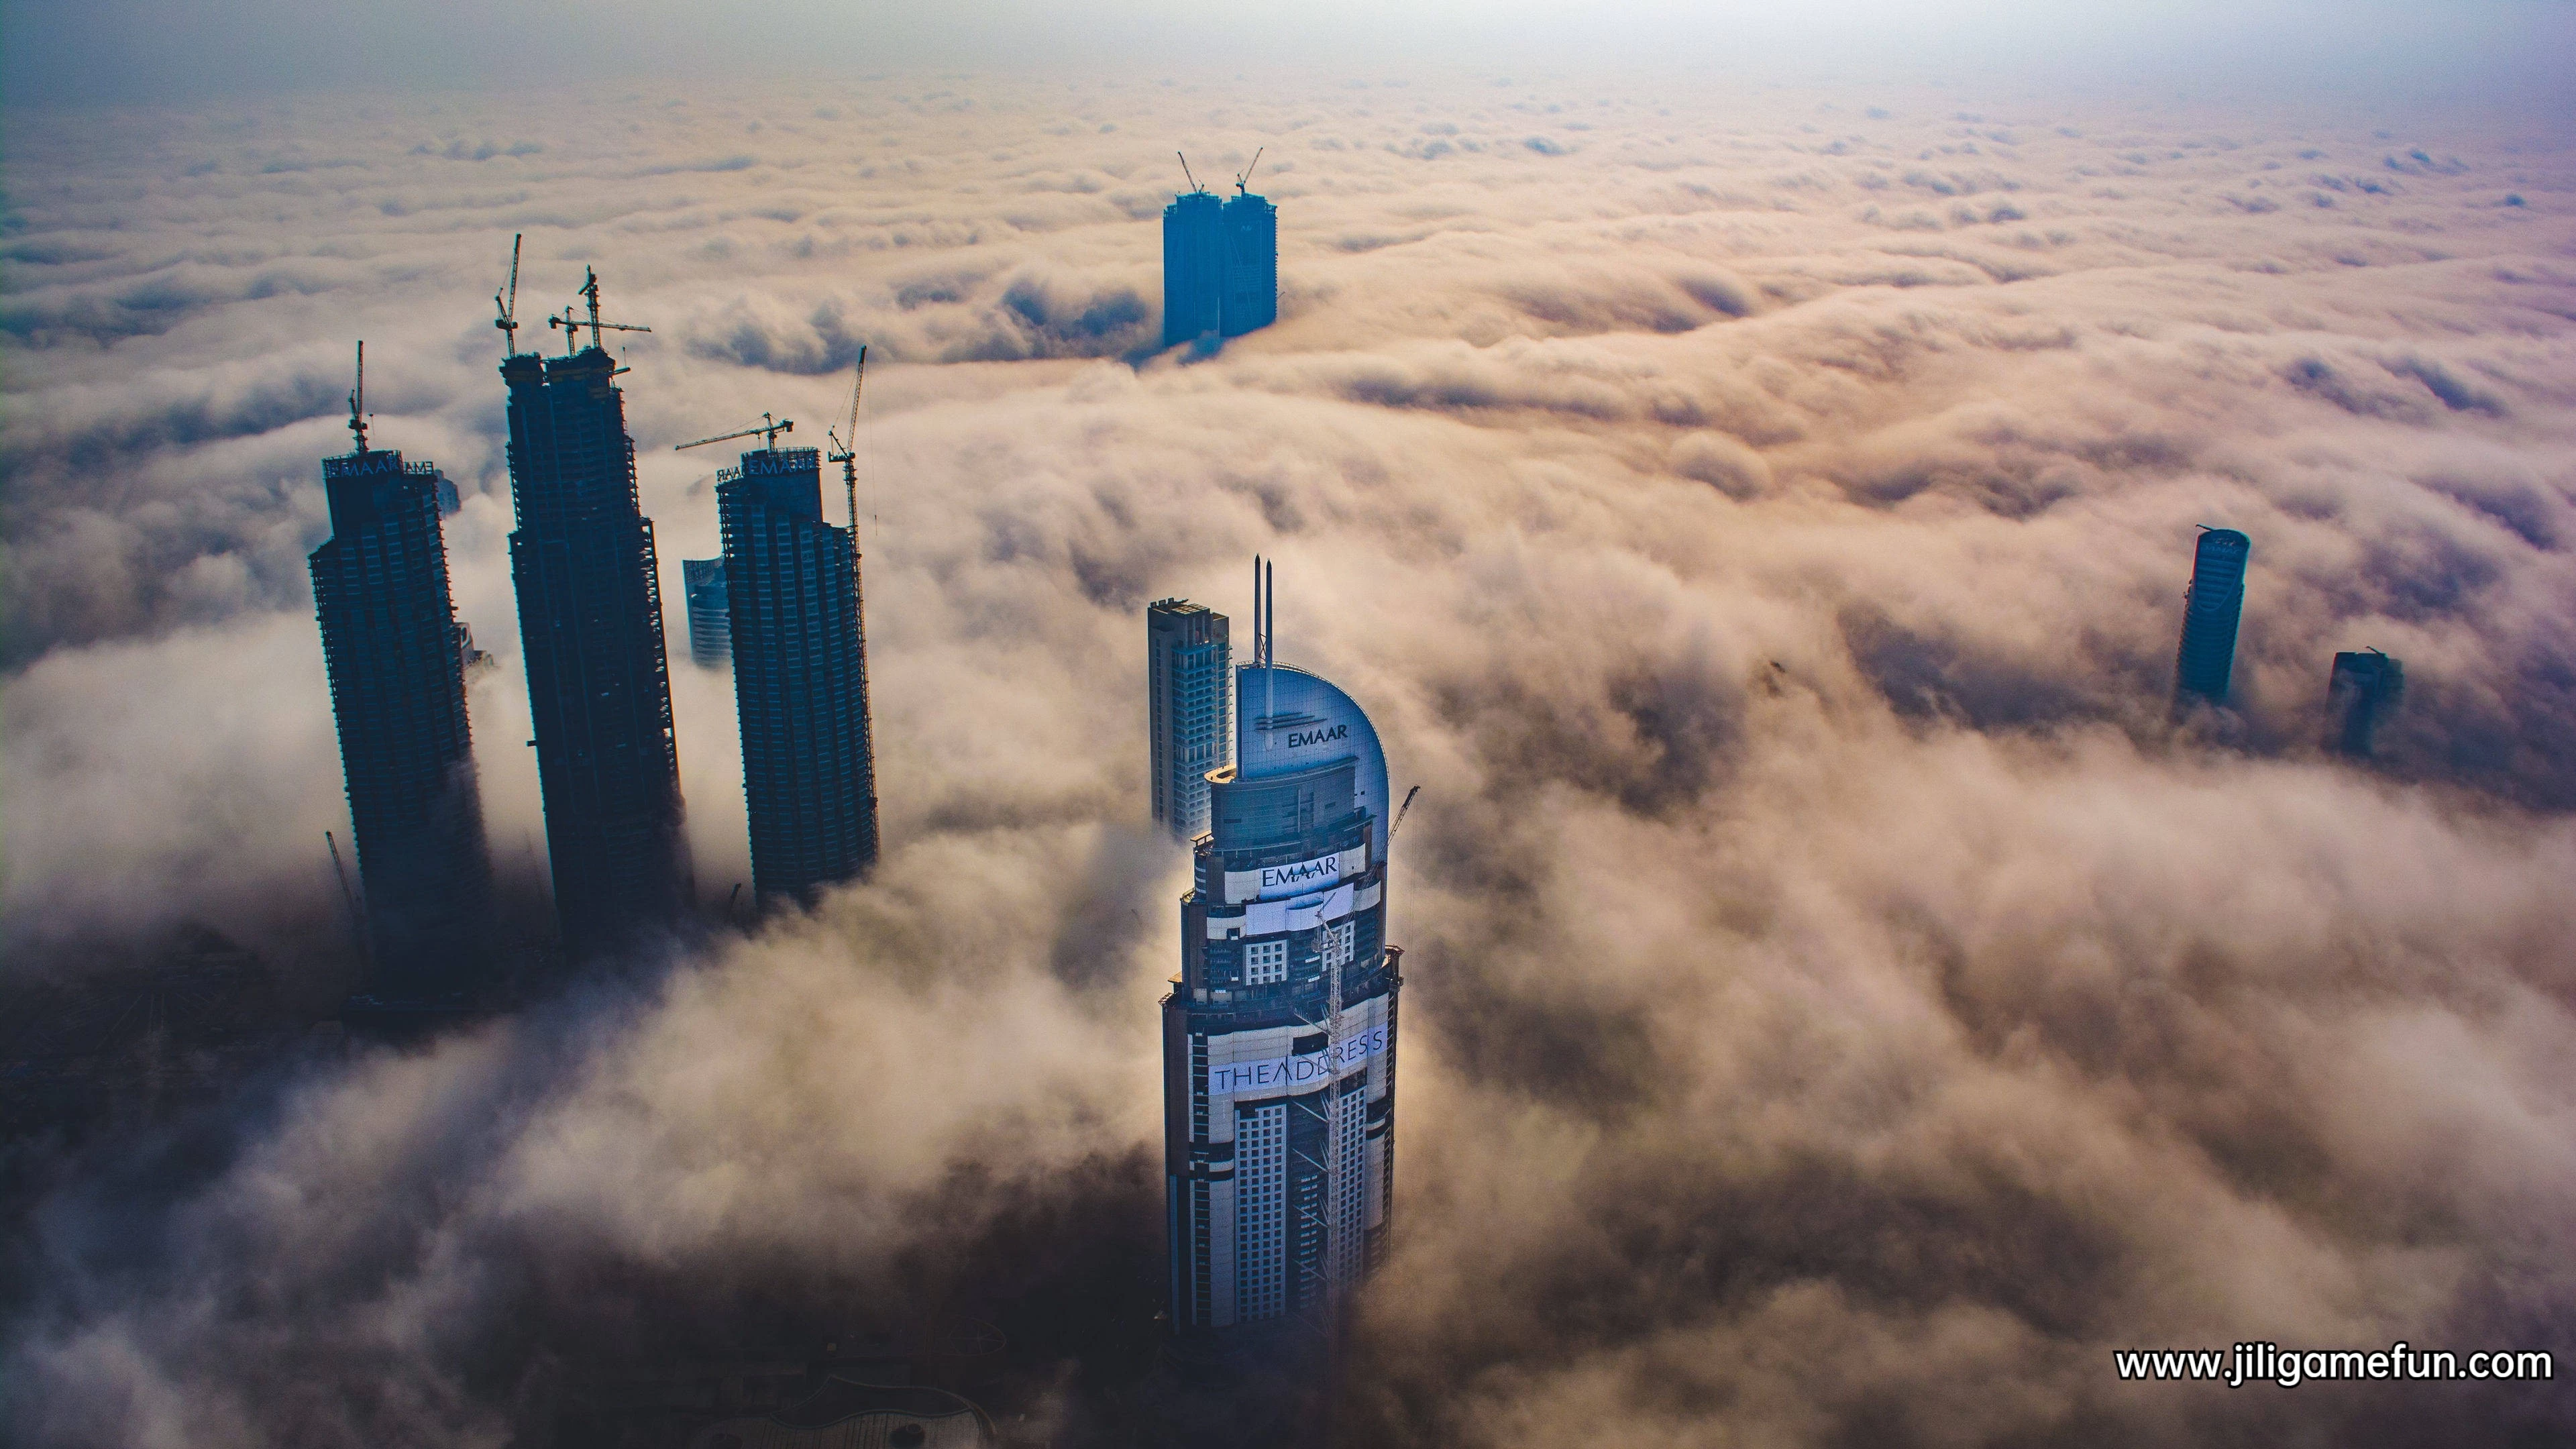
[
  {"x": 1271, "y": 882},
  {"x": 1291, "y": 1074}
]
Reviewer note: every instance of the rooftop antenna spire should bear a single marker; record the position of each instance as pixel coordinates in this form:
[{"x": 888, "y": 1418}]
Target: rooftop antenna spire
[
  {"x": 769, "y": 427},
  {"x": 1185, "y": 171},
  {"x": 508, "y": 321},
  {"x": 589, "y": 290},
  {"x": 358, "y": 401},
  {"x": 1269, "y": 652},
  {"x": 1245, "y": 179}
]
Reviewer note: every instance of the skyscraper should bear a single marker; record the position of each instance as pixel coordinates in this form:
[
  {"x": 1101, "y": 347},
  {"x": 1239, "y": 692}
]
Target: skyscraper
[
  {"x": 1251, "y": 264},
  {"x": 800, "y": 675},
  {"x": 2359, "y": 693},
  {"x": 1279, "y": 1034},
  {"x": 393, "y": 649},
  {"x": 710, "y": 623},
  {"x": 590, "y": 625},
  {"x": 1189, "y": 708},
  {"x": 2215, "y": 598},
  {"x": 1194, "y": 267}
]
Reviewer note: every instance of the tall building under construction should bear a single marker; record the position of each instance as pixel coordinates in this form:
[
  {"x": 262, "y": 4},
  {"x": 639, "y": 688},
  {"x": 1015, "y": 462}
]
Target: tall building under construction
[
  {"x": 392, "y": 645},
  {"x": 1279, "y": 1034},
  {"x": 1220, "y": 264},
  {"x": 800, "y": 675},
  {"x": 590, "y": 625}
]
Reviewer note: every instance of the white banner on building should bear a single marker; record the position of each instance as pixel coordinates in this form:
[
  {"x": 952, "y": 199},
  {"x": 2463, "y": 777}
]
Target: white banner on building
[
  {"x": 1273, "y": 881},
  {"x": 1291, "y": 1073}
]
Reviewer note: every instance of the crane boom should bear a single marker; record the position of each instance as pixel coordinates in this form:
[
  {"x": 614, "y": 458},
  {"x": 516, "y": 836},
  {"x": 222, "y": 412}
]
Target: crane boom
[
  {"x": 1185, "y": 171},
  {"x": 1244, "y": 180},
  {"x": 768, "y": 427},
  {"x": 508, "y": 321}
]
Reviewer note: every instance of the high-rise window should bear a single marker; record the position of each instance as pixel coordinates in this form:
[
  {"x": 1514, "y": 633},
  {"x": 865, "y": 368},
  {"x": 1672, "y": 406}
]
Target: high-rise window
[{"x": 1265, "y": 963}]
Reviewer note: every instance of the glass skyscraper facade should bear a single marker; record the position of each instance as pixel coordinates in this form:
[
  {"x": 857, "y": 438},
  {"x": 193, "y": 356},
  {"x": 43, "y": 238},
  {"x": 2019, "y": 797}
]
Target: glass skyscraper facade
[
  {"x": 1251, "y": 265},
  {"x": 1189, "y": 704},
  {"x": 710, "y": 626},
  {"x": 800, "y": 675},
  {"x": 1194, "y": 255},
  {"x": 395, "y": 654},
  {"x": 2212, "y": 604},
  {"x": 1279, "y": 1034},
  {"x": 590, "y": 625}
]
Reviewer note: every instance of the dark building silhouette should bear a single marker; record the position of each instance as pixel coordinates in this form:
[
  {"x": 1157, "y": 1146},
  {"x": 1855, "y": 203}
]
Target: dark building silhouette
[
  {"x": 1251, "y": 265},
  {"x": 710, "y": 626},
  {"x": 395, "y": 655},
  {"x": 1194, "y": 266},
  {"x": 2212, "y": 604},
  {"x": 1189, "y": 707},
  {"x": 800, "y": 675},
  {"x": 2363, "y": 688},
  {"x": 590, "y": 625}
]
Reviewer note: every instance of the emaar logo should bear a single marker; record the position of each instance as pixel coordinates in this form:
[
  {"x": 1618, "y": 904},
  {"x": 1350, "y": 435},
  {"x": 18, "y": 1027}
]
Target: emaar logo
[
  {"x": 1304, "y": 872},
  {"x": 1317, "y": 737}
]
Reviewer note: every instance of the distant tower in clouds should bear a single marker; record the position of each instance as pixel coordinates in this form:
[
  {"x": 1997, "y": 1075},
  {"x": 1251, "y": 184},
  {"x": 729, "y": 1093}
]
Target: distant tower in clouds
[
  {"x": 1220, "y": 262},
  {"x": 2359, "y": 693},
  {"x": 590, "y": 626},
  {"x": 800, "y": 675},
  {"x": 1251, "y": 264},
  {"x": 710, "y": 623},
  {"x": 2213, "y": 602},
  {"x": 1193, "y": 268},
  {"x": 396, "y": 658},
  {"x": 1189, "y": 707},
  {"x": 1279, "y": 1034}
]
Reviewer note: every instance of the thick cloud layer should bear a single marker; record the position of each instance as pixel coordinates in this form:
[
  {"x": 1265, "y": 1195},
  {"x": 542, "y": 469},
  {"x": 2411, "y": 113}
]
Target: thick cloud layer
[{"x": 1843, "y": 1008}]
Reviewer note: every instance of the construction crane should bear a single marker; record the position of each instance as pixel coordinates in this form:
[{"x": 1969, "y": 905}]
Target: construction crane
[
  {"x": 1195, "y": 188},
  {"x": 1245, "y": 179},
  {"x": 571, "y": 326},
  {"x": 768, "y": 427},
  {"x": 1400, "y": 812},
  {"x": 358, "y": 400},
  {"x": 508, "y": 306},
  {"x": 842, "y": 453}
]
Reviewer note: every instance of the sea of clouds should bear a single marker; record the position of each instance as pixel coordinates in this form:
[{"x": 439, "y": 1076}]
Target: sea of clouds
[{"x": 1843, "y": 1008}]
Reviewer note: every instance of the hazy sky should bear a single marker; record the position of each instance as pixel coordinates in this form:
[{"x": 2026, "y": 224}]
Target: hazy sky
[
  {"x": 140, "y": 50},
  {"x": 1841, "y": 1007}
]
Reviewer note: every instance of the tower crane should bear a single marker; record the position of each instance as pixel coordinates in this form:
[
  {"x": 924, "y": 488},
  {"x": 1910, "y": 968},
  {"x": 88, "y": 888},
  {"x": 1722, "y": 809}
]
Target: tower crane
[
  {"x": 508, "y": 307},
  {"x": 842, "y": 449},
  {"x": 768, "y": 427},
  {"x": 1245, "y": 179},
  {"x": 572, "y": 326},
  {"x": 1185, "y": 171},
  {"x": 358, "y": 401}
]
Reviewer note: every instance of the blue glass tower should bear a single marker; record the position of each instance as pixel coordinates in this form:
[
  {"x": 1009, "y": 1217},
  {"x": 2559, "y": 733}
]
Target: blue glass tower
[
  {"x": 1251, "y": 265},
  {"x": 1189, "y": 704},
  {"x": 590, "y": 624},
  {"x": 1279, "y": 1034},
  {"x": 394, "y": 651},
  {"x": 710, "y": 623},
  {"x": 800, "y": 676},
  {"x": 2213, "y": 602},
  {"x": 1194, "y": 267}
]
